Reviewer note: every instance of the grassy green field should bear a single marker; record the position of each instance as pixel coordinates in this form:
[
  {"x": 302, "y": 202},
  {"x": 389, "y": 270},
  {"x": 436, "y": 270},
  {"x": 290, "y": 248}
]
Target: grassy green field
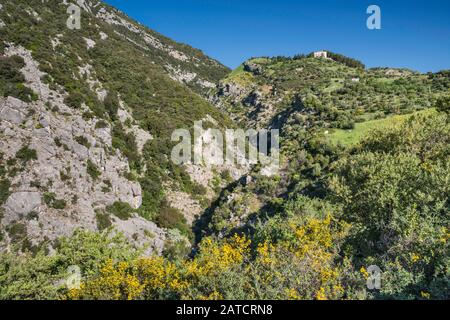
[
  {"x": 240, "y": 77},
  {"x": 351, "y": 137}
]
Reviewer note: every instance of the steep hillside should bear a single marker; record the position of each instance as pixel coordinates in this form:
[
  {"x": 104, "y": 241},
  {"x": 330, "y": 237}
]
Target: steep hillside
[
  {"x": 91, "y": 111},
  {"x": 266, "y": 91},
  {"x": 385, "y": 192},
  {"x": 86, "y": 177},
  {"x": 181, "y": 62},
  {"x": 313, "y": 101},
  {"x": 61, "y": 169}
]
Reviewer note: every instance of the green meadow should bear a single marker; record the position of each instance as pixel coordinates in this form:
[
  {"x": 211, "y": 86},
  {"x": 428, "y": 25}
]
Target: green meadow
[{"x": 352, "y": 137}]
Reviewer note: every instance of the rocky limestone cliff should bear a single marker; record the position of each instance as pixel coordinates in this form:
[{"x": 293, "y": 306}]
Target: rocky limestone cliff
[
  {"x": 93, "y": 117},
  {"x": 55, "y": 193},
  {"x": 183, "y": 64}
]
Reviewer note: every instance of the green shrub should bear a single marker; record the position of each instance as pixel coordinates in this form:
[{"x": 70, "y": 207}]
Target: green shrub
[
  {"x": 226, "y": 176},
  {"x": 92, "y": 170},
  {"x": 83, "y": 141},
  {"x": 111, "y": 104},
  {"x": 101, "y": 124},
  {"x": 4, "y": 190},
  {"x": 392, "y": 190},
  {"x": 350, "y": 62},
  {"x": 198, "y": 189},
  {"x": 126, "y": 143},
  {"x": 51, "y": 201},
  {"x": 122, "y": 210},
  {"x": 171, "y": 218},
  {"x": 40, "y": 276},
  {"x": 103, "y": 220},
  {"x": 17, "y": 232},
  {"x": 443, "y": 104},
  {"x": 74, "y": 100},
  {"x": 11, "y": 79},
  {"x": 26, "y": 154}
]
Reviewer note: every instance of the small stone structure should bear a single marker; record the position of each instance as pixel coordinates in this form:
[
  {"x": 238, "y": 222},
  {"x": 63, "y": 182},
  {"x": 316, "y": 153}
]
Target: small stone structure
[{"x": 321, "y": 54}]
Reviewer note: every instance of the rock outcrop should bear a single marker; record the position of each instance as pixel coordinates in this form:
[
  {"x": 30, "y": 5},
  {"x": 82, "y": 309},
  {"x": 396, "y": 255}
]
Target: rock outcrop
[{"x": 56, "y": 191}]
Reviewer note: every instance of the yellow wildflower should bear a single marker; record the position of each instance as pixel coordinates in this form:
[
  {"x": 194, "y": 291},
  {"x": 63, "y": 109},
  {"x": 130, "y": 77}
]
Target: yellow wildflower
[
  {"x": 292, "y": 294},
  {"x": 321, "y": 294},
  {"x": 364, "y": 272},
  {"x": 264, "y": 252},
  {"x": 415, "y": 257}
]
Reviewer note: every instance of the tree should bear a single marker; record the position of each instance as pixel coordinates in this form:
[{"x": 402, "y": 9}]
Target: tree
[
  {"x": 394, "y": 190},
  {"x": 443, "y": 104}
]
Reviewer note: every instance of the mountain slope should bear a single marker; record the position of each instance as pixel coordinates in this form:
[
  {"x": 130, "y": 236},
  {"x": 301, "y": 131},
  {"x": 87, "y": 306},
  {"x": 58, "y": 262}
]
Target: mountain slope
[
  {"x": 335, "y": 92},
  {"x": 311, "y": 100},
  {"x": 182, "y": 62},
  {"x": 86, "y": 118},
  {"x": 94, "y": 108}
]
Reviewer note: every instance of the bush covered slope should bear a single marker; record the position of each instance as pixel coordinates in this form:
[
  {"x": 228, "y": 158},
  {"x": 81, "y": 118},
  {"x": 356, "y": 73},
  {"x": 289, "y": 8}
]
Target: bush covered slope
[
  {"x": 331, "y": 93},
  {"x": 387, "y": 204},
  {"x": 113, "y": 87},
  {"x": 344, "y": 199}
]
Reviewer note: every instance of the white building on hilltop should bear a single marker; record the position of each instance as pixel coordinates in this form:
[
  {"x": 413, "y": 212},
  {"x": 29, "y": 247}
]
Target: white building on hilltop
[{"x": 320, "y": 54}]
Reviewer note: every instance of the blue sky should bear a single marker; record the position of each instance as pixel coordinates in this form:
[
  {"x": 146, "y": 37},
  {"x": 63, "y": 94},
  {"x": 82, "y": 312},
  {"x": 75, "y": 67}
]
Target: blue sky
[{"x": 415, "y": 33}]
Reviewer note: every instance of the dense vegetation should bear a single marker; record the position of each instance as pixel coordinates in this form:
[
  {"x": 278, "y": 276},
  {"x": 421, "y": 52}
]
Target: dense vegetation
[
  {"x": 386, "y": 202},
  {"x": 365, "y": 176},
  {"x": 352, "y": 63},
  {"x": 11, "y": 80},
  {"x": 135, "y": 73},
  {"x": 330, "y": 93}
]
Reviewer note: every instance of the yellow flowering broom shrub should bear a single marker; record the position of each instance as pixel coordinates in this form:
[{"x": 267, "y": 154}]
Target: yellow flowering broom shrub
[
  {"x": 302, "y": 268},
  {"x": 158, "y": 278},
  {"x": 115, "y": 282}
]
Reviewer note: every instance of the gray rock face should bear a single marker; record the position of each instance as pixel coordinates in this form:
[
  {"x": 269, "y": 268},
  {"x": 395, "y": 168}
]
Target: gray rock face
[
  {"x": 23, "y": 202},
  {"x": 140, "y": 135},
  {"x": 174, "y": 69},
  {"x": 230, "y": 89},
  {"x": 144, "y": 234},
  {"x": 61, "y": 168},
  {"x": 253, "y": 68},
  {"x": 13, "y": 110},
  {"x": 258, "y": 101}
]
